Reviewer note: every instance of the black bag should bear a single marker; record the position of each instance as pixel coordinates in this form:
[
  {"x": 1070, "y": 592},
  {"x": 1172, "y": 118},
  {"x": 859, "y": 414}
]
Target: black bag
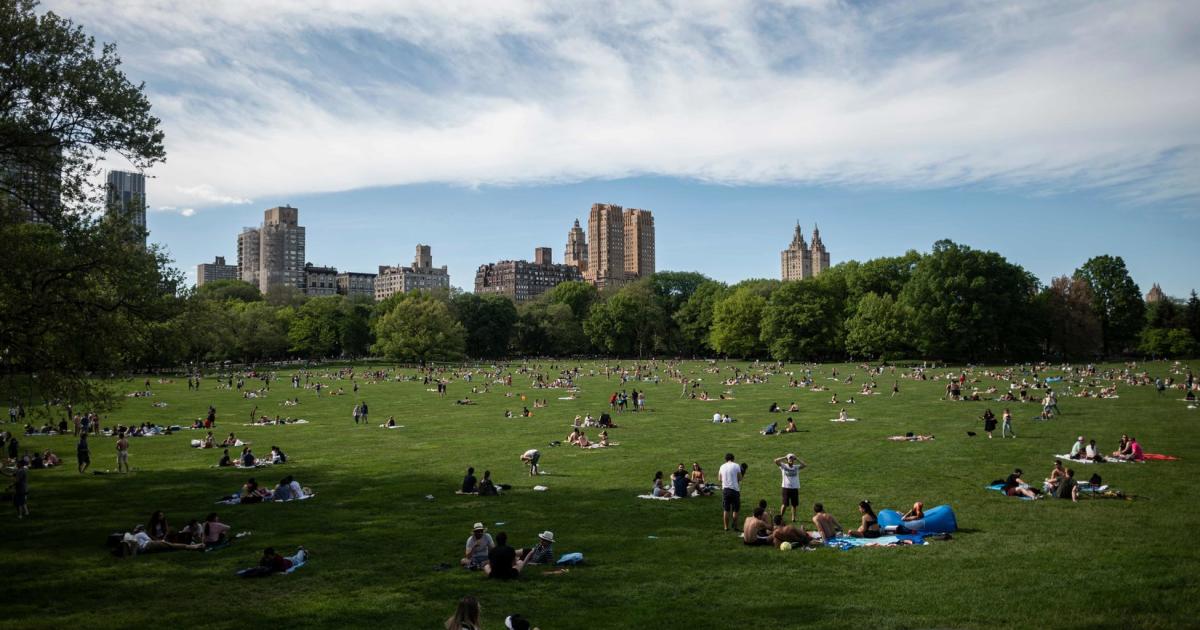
[{"x": 1096, "y": 480}]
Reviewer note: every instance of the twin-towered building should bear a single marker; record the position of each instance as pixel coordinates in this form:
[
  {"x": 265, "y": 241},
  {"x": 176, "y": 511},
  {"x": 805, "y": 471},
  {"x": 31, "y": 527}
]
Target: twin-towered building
[{"x": 799, "y": 261}]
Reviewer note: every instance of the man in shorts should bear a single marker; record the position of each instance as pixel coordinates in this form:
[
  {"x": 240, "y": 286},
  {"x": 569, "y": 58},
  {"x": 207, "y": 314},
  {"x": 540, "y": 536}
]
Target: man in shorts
[
  {"x": 731, "y": 491},
  {"x": 123, "y": 453},
  {"x": 531, "y": 457},
  {"x": 790, "y": 467}
]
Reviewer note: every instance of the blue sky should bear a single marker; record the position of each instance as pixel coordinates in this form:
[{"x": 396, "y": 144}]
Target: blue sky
[{"x": 1049, "y": 132}]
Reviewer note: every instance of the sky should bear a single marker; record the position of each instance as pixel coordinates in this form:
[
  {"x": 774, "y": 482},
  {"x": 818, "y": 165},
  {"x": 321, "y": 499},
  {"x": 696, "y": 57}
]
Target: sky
[{"x": 1049, "y": 132}]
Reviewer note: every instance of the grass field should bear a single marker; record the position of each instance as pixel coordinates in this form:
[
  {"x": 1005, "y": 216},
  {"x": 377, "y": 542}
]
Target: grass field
[{"x": 377, "y": 541}]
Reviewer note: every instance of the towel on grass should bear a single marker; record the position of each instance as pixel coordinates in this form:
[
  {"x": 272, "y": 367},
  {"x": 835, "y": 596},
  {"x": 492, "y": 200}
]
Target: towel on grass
[
  {"x": 846, "y": 420},
  {"x": 1159, "y": 457},
  {"x": 846, "y": 543},
  {"x": 651, "y": 496},
  {"x": 1107, "y": 459}
]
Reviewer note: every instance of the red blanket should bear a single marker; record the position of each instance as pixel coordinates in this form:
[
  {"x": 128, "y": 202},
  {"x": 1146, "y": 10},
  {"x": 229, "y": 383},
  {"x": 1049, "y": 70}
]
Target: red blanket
[{"x": 1159, "y": 457}]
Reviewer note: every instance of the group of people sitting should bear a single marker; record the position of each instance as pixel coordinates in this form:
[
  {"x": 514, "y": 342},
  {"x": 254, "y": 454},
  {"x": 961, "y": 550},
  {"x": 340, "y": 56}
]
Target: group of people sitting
[
  {"x": 1128, "y": 449},
  {"x": 684, "y": 484},
  {"x": 719, "y": 418},
  {"x": 498, "y": 560},
  {"x": 483, "y": 487},
  {"x": 578, "y": 438},
  {"x": 288, "y": 489},
  {"x": 248, "y": 460},
  {"x": 157, "y": 536},
  {"x": 761, "y": 528},
  {"x": 773, "y": 428}
]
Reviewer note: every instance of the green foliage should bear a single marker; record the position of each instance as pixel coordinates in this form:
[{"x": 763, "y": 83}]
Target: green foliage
[
  {"x": 418, "y": 327},
  {"x": 315, "y": 332},
  {"x": 1072, "y": 329},
  {"x": 737, "y": 322},
  {"x": 489, "y": 321},
  {"x": 577, "y": 295},
  {"x": 802, "y": 321},
  {"x": 878, "y": 328},
  {"x": 968, "y": 304},
  {"x": 694, "y": 318},
  {"x": 630, "y": 323},
  {"x": 227, "y": 290},
  {"x": 1116, "y": 300}
]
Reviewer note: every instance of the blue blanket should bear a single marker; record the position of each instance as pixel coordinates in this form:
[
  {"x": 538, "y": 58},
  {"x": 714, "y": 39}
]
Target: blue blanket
[
  {"x": 847, "y": 543},
  {"x": 999, "y": 487}
]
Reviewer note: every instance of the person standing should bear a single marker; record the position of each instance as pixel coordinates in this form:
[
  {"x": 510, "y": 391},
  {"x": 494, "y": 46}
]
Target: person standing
[
  {"x": 122, "y": 453},
  {"x": 83, "y": 453},
  {"x": 363, "y": 411},
  {"x": 895, "y": 392},
  {"x": 790, "y": 467},
  {"x": 731, "y": 491},
  {"x": 357, "y": 413},
  {"x": 1006, "y": 427},
  {"x": 20, "y": 488}
]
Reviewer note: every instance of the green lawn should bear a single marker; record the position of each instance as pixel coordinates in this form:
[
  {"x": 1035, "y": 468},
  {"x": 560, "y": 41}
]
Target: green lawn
[{"x": 377, "y": 541}]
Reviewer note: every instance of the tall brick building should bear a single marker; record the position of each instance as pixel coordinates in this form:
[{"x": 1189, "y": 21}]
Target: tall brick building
[
  {"x": 522, "y": 280},
  {"x": 620, "y": 245},
  {"x": 576, "y": 253},
  {"x": 799, "y": 261},
  {"x": 273, "y": 253},
  {"x": 422, "y": 275}
]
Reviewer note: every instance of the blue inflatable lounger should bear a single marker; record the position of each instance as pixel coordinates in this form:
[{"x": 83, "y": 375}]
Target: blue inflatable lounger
[{"x": 938, "y": 520}]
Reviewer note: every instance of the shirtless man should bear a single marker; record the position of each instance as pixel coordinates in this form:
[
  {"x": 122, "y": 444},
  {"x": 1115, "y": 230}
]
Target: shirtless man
[
  {"x": 755, "y": 530},
  {"x": 123, "y": 454},
  {"x": 827, "y": 526},
  {"x": 788, "y": 533}
]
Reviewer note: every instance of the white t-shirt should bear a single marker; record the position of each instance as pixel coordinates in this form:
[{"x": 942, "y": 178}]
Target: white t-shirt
[
  {"x": 142, "y": 539},
  {"x": 791, "y": 475},
  {"x": 530, "y": 453},
  {"x": 717, "y": 417},
  {"x": 729, "y": 476}
]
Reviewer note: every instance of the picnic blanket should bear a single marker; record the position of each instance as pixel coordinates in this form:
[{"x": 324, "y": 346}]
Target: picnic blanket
[
  {"x": 846, "y": 420},
  {"x": 1109, "y": 459},
  {"x": 847, "y": 543},
  {"x": 652, "y": 497},
  {"x": 1159, "y": 457},
  {"x": 237, "y": 500},
  {"x": 395, "y": 426}
]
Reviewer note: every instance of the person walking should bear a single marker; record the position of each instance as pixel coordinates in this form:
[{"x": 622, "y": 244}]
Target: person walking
[
  {"x": 83, "y": 453},
  {"x": 357, "y": 413},
  {"x": 363, "y": 412},
  {"x": 1006, "y": 427},
  {"x": 731, "y": 491},
  {"x": 20, "y": 488},
  {"x": 790, "y": 467}
]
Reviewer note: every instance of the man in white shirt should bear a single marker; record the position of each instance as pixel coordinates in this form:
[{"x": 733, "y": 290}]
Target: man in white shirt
[
  {"x": 716, "y": 417},
  {"x": 790, "y": 467},
  {"x": 731, "y": 491}
]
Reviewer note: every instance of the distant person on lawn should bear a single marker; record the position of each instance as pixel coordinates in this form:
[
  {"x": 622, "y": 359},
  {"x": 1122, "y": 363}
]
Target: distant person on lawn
[
  {"x": 479, "y": 545},
  {"x": 532, "y": 457},
  {"x": 731, "y": 491}
]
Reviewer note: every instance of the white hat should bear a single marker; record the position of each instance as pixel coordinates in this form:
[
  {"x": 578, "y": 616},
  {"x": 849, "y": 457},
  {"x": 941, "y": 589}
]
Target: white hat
[
  {"x": 478, "y": 526},
  {"x": 1081, "y": 438},
  {"x": 547, "y": 536},
  {"x": 791, "y": 456}
]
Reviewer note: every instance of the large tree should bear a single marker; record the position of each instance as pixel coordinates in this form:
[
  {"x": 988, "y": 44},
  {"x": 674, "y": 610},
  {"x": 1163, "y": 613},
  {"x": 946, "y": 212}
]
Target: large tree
[
  {"x": 1116, "y": 300},
  {"x": 1072, "y": 329},
  {"x": 803, "y": 320},
  {"x": 968, "y": 305},
  {"x": 878, "y": 329},
  {"x": 694, "y": 319},
  {"x": 78, "y": 295},
  {"x": 629, "y": 323},
  {"x": 489, "y": 321},
  {"x": 737, "y": 322},
  {"x": 418, "y": 327}
]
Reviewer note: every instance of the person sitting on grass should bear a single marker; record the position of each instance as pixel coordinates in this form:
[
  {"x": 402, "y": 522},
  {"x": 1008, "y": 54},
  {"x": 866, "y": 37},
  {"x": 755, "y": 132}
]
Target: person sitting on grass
[
  {"x": 214, "y": 531},
  {"x": 790, "y": 427},
  {"x": 1122, "y": 446},
  {"x": 697, "y": 483},
  {"x": 793, "y": 408},
  {"x": 755, "y": 530},
  {"x": 582, "y": 441},
  {"x": 479, "y": 545},
  {"x": 679, "y": 482},
  {"x": 1092, "y": 453},
  {"x": 659, "y": 490},
  {"x": 469, "y": 482},
  {"x": 488, "y": 488},
  {"x": 287, "y": 489},
  {"x": 230, "y": 441},
  {"x": 1068, "y": 488},
  {"x": 774, "y": 408},
  {"x": 1057, "y": 474},
  {"x": 272, "y": 563},
  {"x": 843, "y": 416},
  {"x": 1135, "y": 451},
  {"x": 869, "y": 527},
  {"x": 466, "y": 616},
  {"x": 140, "y": 542},
  {"x": 251, "y": 493},
  {"x": 502, "y": 563},
  {"x": 788, "y": 533},
  {"x": 1015, "y": 486},
  {"x": 157, "y": 527},
  {"x": 225, "y": 460},
  {"x": 391, "y": 422},
  {"x": 827, "y": 527},
  {"x": 247, "y": 458},
  {"x": 541, "y": 553},
  {"x": 1077, "y": 448},
  {"x": 209, "y": 441}
]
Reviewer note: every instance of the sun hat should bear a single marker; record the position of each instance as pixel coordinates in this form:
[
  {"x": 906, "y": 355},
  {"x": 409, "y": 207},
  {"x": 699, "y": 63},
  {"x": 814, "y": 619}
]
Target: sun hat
[
  {"x": 478, "y": 527},
  {"x": 547, "y": 536},
  {"x": 791, "y": 456}
]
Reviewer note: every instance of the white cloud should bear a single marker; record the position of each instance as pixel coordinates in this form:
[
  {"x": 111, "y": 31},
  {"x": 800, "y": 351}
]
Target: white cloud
[
  {"x": 282, "y": 97},
  {"x": 187, "y": 212}
]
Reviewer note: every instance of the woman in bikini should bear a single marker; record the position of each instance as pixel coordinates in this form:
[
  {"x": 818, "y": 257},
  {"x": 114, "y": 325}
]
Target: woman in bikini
[{"x": 869, "y": 527}]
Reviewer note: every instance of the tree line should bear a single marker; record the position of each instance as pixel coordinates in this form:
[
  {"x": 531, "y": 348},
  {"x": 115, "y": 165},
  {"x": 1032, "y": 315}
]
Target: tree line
[{"x": 954, "y": 303}]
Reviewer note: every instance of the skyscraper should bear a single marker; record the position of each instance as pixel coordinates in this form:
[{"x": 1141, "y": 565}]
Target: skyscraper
[
  {"x": 126, "y": 197},
  {"x": 576, "y": 253},
  {"x": 606, "y": 246},
  {"x": 639, "y": 244},
  {"x": 273, "y": 253}
]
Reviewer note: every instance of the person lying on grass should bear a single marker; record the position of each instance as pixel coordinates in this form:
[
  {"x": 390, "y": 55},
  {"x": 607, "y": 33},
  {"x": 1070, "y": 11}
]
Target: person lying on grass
[
  {"x": 827, "y": 527},
  {"x": 140, "y": 542},
  {"x": 272, "y": 563},
  {"x": 788, "y": 533},
  {"x": 915, "y": 514},
  {"x": 869, "y": 527}
]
